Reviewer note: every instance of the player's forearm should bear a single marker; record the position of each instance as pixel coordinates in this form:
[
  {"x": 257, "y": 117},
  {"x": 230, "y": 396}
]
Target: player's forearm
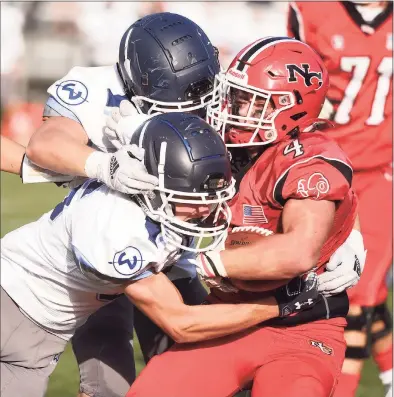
[
  {"x": 57, "y": 148},
  {"x": 276, "y": 257},
  {"x": 306, "y": 226},
  {"x": 11, "y": 155},
  {"x": 158, "y": 298},
  {"x": 213, "y": 321},
  {"x": 60, "y": 154}
]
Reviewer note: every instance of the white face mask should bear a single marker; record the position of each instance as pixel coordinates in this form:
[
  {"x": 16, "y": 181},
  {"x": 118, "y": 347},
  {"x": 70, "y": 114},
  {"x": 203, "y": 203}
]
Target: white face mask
[
  {"x": 260, "y": 125},
  {"x": 157, "y": 107},
  {"x": 205, "y": 237}
]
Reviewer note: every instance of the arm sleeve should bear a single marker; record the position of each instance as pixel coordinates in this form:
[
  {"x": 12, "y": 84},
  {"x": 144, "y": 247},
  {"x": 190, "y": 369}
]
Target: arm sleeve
[
  {"x": 317, "y": 178},
  {"x": 54, "y": 109}
]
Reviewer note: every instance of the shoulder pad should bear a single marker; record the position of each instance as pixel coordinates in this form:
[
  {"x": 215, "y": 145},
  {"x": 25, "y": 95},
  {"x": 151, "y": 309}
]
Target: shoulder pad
[
  {"x": 85, "y": 91},
  {"x": 312, "y": 166},
  {"x": 109, "y": 235}
]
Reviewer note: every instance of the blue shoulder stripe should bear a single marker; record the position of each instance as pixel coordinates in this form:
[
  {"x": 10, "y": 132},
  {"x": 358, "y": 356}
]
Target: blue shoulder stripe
[{"x": 54, "y": 108}]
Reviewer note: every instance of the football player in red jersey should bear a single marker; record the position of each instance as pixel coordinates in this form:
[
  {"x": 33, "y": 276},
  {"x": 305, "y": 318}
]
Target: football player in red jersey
[
  {"x": 300, "y": 180},
  {"x": 358, "y": 52}
]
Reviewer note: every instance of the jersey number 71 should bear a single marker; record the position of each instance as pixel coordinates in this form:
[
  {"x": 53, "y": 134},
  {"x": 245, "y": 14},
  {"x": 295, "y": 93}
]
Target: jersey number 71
[{"x": 360, "y": 66}]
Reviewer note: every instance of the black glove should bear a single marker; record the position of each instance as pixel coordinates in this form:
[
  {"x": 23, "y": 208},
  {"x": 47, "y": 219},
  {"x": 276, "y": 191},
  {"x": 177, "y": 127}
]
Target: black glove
[{"x": 299, "y": 294}]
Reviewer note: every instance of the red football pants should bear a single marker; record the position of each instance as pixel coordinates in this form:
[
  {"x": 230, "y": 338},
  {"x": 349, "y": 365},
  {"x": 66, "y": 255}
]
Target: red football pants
[
  {"x": 301, "y": 361},
  {"x": 375, "y": 194}
]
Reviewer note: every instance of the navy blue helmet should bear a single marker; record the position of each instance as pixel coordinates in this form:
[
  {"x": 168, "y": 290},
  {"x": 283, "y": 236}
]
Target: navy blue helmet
[
  {"x": 192, "y": 164},
  {"x": 167, "y": 64}
]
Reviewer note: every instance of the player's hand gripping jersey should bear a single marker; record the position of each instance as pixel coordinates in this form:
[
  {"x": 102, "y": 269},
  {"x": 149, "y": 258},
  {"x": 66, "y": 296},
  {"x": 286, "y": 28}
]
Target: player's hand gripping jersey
[
  {"x": 71, "y": 259},
  {"x": 359, "y": 59}
]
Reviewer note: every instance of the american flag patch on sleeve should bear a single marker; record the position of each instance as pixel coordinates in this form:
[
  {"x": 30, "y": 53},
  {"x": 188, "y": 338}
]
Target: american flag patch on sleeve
[{"x": 253, "y": 214}]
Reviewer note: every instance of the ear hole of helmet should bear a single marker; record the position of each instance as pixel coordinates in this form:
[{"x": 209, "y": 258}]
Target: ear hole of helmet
[
  {"x": 144, "y": 79},
  {"x": 298, "y": 97}
]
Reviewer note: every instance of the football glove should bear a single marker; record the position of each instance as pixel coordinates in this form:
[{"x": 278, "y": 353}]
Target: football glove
[
  {"x": 299, "y": 294},
  {"x": 345, "y": 266},
  {"x": 123, "y": 170},
  {"x": 122, "y": 123}
]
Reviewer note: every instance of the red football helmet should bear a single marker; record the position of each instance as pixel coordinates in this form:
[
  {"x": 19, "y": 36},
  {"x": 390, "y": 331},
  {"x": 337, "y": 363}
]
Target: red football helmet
[{"x": 271, "y": 88}]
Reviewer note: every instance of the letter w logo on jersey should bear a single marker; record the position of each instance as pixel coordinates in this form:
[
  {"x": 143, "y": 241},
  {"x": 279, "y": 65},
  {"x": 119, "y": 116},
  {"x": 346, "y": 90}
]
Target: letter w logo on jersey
[
  {"x": 303, "y": 72},
  {"x": 72, "y": 92},
  {"x": 128, "y": 261}
]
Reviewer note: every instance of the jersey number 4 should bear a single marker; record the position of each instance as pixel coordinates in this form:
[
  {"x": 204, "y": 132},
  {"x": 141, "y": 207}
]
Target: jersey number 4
[
  {"x": 360, "y": 66},
  {"x": 294, "y": 146}
]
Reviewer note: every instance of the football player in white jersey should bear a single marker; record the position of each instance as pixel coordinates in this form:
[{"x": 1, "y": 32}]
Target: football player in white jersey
[
  {"x": 166, "y": 63},
  {"x": 102, "y": 242}
]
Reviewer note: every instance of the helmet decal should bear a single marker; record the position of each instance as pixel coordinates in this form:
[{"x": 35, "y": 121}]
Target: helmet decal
[
  {"x": 256, "y": 48},
  {"x": 273, "y": 88},
  {"x": 296, "y": 71}
]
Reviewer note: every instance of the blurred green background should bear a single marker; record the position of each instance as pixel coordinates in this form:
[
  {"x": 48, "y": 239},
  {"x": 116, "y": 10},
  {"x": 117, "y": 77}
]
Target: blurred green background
[{"x": 21, "y": 204}]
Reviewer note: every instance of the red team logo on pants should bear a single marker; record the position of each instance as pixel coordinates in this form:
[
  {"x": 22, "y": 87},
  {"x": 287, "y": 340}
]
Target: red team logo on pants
[{"x": 324, "y": 348}]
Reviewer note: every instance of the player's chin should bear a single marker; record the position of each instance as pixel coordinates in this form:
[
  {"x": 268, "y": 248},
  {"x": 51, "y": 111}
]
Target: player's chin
[{"x": 258, "y": 285}]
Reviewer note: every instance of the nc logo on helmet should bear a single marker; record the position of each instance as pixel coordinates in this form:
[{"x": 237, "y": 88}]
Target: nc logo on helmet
[{"x": 303, "y": 72}]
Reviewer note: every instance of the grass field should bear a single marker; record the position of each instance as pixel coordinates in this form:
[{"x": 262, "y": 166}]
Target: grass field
[{"x": 21, "y": 204}]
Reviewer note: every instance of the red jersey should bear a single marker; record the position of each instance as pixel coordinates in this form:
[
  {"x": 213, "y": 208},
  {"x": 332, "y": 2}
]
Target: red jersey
[
  {"x": 310, "y": 167},
  {"x": 358, "y": 56}
]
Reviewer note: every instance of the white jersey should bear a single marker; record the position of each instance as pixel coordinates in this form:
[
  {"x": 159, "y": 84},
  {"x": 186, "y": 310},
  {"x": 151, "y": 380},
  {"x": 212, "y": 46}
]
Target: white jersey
[
  {"x": 87, "y": 95},
  {"x": 57, "y": 268}
]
